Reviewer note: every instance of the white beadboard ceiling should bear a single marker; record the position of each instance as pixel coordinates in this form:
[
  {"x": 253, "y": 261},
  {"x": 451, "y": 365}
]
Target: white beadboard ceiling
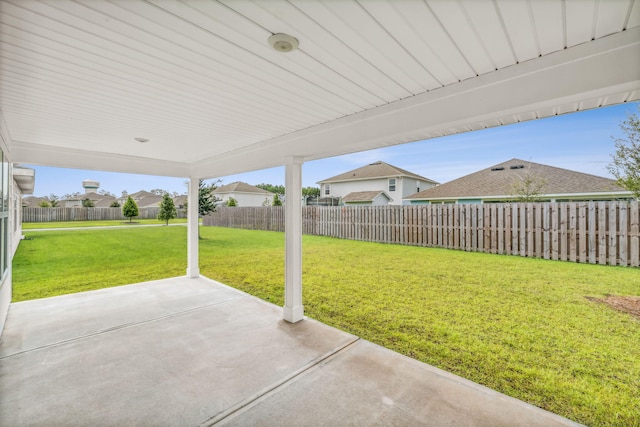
[{"x": 79, "y": 80}]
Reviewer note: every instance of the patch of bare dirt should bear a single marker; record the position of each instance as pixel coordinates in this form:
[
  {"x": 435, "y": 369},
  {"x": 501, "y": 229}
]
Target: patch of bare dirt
[{"x": 626, "y": 304}]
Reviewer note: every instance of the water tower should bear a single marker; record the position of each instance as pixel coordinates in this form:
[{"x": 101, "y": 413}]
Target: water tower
[{"x": 90, "y": 186}]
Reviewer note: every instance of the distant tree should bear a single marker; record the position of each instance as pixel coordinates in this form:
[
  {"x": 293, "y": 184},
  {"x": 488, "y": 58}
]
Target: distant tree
[
  {"x": 625, "y": 164},
  {"x": 125, "y": 194},
  {"x": 158, "y": 191},
  {"x": 206, "y": 198},
  {"x": 266, "y": 202},
  {"x": 44, "y": 204},
  {"x": 232, "y": 202},
  {"x": 53, "y": 200},
  {"x": 87, "y": 203},
  {"x": 114, "y": 204},
  {"x": 106, "y": 193},
  {"x": 167, "y": 209},
  {"x": 276, "y": 200},
  {"x": 278, "y": 189},
  {"x": 311, "y": 192},
  {"x": 528, "y": 188},
  {"x": 130, "y": 208},
  {"x": 72, "y": 195}
]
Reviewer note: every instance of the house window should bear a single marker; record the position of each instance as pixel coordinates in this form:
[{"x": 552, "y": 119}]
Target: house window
[
  {"x": 392, "y": 184},
  {"x": 327, "y": 189}
]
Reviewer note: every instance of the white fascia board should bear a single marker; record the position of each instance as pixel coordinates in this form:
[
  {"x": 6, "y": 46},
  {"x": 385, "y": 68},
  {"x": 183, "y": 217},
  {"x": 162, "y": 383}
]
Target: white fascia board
[
  {"x": 40, "y": 154},
  {"x": 244, "y": 192},
  {"x": 593, "y": 70},
  {"x": 360, "y": 179},
  {"x": 384, "y": 193},
  {"x": 329, "y": 181}
]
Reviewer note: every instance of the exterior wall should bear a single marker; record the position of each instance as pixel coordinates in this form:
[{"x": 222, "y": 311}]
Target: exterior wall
[
  {"x": 405, "y": 186},
  {"x": 71, "y": 203},
  {"x": 410, "y": 186},
  {"x": 16, "y": 217},
  {"x": 6, "y": 244},
  {"x": 380, "y": 200},
  {"x": 245, "y": 199}
]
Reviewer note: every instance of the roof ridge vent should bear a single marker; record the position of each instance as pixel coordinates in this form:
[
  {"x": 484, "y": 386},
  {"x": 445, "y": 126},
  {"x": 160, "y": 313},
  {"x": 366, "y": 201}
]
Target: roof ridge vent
[
  {"x": 499, "y": 168},
  {"x": 375, "y": 163},
  {"x": 517, "y": 167}
]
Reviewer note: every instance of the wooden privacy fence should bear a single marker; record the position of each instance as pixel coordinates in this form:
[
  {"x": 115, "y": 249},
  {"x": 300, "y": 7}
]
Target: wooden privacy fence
[
  {"x": 87, "y": 214},
  {"x": 586, "y": 232}
]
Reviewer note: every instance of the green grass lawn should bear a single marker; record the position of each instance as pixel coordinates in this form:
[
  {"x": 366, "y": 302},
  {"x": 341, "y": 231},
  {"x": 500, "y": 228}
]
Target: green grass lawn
[
  {"x": 521, "y": 326},
  {"x": 75, "y": 224}
]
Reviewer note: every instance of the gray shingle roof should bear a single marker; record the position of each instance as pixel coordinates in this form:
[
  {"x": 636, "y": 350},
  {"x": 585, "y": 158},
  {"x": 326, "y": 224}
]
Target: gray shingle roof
[
  {"x": 240, "y": 187},
  {"x": 149, "y": 201},
  {"x": 363, "y": 196},
  {"x": 498, "y": 180},
  {"x": 180, "y": 200},
  {"x": 374, "y": 170},
  {"x": 33, "y": 201}
]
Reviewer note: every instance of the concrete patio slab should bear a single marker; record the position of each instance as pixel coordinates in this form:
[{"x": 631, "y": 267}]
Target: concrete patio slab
[
  {"x": 368, "y": 385},
  {"x": 46, "y": 321},
  {"x": 195, "y": 352}
]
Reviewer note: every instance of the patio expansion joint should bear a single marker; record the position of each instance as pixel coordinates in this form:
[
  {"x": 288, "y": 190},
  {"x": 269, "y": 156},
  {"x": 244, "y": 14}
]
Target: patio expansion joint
[
  {"x": 275, "y": 387},
  {"x": 120, "y": 327}
]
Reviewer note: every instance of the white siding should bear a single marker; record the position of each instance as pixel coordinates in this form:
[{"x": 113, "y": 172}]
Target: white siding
[
  {"x": 380, "y": 200},
  {"x": 411, "y": 186},
  {"x": 405, "y": 186}
]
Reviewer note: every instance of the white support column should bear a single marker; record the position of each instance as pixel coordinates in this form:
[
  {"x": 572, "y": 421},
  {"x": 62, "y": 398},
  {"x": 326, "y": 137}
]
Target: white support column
[
  {"x": 293, "y": 309},
  {"x": 193, "y": 267}
]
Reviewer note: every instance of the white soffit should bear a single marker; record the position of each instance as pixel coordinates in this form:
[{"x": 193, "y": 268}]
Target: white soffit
[{"x": 79, "y": 80}]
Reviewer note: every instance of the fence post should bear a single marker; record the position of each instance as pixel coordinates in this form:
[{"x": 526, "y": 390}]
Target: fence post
[{"x": 634, "y": 234}]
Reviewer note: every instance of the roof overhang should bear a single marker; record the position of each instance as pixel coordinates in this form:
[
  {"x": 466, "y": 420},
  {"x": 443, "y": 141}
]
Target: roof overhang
[
  {"x": 604, "y": 72},
  {"x": 81, "y": 80},
  {"x": 25, "y": 178}
]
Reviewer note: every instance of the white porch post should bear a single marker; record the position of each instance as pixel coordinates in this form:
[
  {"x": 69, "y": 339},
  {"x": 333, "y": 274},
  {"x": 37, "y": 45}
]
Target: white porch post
[
  {"x": 293, "y": 310},
  {"x": 193, "y": 267}
]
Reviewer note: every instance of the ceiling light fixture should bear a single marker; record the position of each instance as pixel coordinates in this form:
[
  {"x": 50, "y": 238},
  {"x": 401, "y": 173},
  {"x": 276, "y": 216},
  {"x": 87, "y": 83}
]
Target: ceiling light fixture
[
  {"x": 141, "y": 140},
  {"x": 283, "y": 42}
]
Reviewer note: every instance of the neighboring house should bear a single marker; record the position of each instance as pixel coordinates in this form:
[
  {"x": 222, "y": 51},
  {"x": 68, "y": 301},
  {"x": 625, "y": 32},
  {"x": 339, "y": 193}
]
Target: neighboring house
[
  {"x": 180, "y": 201},
  {"x": 33, "y": 201},
  {"x": 244, "y": 194},
  {"x": 23, "y": 183},
  {"x": 497, "y": 184},
  {"x": 374, "y": 198},
  {"x": 377, "y": 177},
  {"x": 144, "y": 199},
  {"x": 90, "y": 192},
  {"x": 99, "y": 200}
]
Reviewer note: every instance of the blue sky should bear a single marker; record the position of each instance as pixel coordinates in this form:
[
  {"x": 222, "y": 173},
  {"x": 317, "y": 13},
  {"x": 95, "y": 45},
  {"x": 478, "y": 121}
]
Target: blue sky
[{"x": 580, "y": 141}]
